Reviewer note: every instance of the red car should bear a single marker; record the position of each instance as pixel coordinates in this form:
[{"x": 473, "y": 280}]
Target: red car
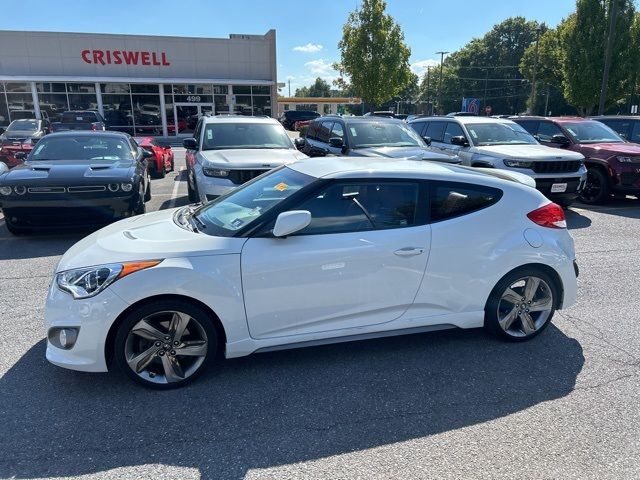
[
  {"x": 613, "y": 164},
  {"x": 162, "y": 160},
  {"x": 182, "y": 126}
]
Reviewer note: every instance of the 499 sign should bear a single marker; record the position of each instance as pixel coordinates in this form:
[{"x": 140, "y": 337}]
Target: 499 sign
[{"x": 193, "y": 98}]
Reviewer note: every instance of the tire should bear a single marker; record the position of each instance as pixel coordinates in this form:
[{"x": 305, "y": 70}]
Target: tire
[
  {"x": 147, "y": 193},
  {"x": 163, "y": 367},
  {"x": 502, "y": 311},
  {"x": 191, "y": 192},
  {"x": 160, "y": 173},
  {"x": 15, "y": 229},
  {"x": 140, "y": 208},
  {"x": 596, "y": 189}
]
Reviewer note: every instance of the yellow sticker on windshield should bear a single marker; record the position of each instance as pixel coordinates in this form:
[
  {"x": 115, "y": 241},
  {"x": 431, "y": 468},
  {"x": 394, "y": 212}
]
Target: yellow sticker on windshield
[{"x": 281, "y": 187}]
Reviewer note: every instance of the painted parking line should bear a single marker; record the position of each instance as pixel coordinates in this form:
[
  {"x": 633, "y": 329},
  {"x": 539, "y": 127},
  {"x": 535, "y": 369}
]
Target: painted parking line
[{"x": 174, "y": 192}]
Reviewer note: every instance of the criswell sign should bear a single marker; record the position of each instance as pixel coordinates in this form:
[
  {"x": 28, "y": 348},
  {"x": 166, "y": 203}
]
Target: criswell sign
[{"x": 124, "y": 57}]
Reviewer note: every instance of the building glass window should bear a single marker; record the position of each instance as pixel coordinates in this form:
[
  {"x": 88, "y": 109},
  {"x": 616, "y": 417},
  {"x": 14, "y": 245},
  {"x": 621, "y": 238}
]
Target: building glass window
[
  {"x": 4, "y": 111},
  {"x": 261, "y": 105},
  {"x": 242, "y": 90},
  {"x": 147, "y": 118},
  {"x": 222, "y": 106},
  {"x": 54, "y": 104},
  {"x": 51, "y": 87},
  {"x": 145, "y": 88},
  {"x": 17, "y": 87},
  {"x": 82, "y": 102},
  {"x": 220, "y": 89},
  {"x": 118, "y": 112},
  {"x": 261, "y": 90},
  {"x": 243, "y": 105},
  {"x": 115, "y": 88},
  {"x": 19, "y": 102},
  {"x": 81, "y": 87}
]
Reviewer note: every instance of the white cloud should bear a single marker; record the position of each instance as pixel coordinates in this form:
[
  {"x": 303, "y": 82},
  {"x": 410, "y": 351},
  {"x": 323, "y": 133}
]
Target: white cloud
[
  {"x": 420, "y": 67},
  {"x": 308, "y": 48},
  {"x": 321, "y": 67}
]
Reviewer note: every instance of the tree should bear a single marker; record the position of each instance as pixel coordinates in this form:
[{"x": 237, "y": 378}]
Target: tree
[
  {"x": 374, "y": 56},
  {"x": 319, "y": 88},
  {"x": 583, "y": 37}
]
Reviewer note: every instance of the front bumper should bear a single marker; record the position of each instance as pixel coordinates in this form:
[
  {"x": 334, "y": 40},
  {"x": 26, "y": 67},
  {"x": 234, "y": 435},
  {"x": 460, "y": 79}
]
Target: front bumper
[
  {"x": 65, "y": 210},
  {"x": 92, "y": 317}
]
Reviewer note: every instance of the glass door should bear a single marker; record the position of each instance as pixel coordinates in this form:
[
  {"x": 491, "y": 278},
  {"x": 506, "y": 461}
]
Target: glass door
[{"x": 187, "y": 115}]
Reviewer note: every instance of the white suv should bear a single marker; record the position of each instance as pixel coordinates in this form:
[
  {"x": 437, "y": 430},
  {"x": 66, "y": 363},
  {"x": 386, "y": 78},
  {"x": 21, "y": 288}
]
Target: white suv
[
  {"x": 501, "y": 143},
  {"x": 229, "y": 150}
]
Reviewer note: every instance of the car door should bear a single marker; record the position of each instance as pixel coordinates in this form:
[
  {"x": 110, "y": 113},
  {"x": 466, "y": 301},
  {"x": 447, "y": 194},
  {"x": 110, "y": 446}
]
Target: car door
[
  {"x": 435, "y": 131},
  {"x": 453, "y": 130},
  {"x": 337, "y": 131},
  {"x": 359, "y": 263}
]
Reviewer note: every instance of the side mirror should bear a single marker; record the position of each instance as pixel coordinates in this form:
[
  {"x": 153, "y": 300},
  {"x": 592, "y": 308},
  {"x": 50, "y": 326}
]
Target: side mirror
[
  {"x": 146, "y": 153},
  {"x": 336, "y": 142},
  {"x": 560, "y": 140},
  {"x": 460, "y": 140},
  {"x": 299, "y": 142},
  {"x": 291, "y": 222},
  {"x": 20, "y": 156},
  {"x": 427, "y": 140},
  {"x": 190, "y": 143}
]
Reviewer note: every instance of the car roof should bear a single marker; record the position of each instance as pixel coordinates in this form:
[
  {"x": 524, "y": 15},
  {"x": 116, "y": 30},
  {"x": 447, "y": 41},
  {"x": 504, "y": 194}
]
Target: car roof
[
  {"x": 615, "y": 117},
  {"x": 553, "y": 119},
  {"x": 89, "y": 133},
  {"x": 239, "y": 119},
  {"x": 369, "y": 119},
  {"x": 462, "y": 119}
]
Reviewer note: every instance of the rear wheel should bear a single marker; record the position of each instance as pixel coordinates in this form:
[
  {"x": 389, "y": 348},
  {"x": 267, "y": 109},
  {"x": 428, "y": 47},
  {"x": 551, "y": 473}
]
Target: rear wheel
[
  {"x": 596, "y": 188},
  {"x": 521, "y": 305},
  {"x": 166, "y": 344}
]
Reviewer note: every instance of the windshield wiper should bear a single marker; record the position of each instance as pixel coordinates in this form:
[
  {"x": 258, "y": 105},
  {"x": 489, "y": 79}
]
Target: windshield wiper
[{"x": 353, "y": 196}]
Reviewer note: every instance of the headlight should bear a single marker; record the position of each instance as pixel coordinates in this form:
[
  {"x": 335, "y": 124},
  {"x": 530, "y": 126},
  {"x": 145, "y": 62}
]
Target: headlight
[
  {"x": 215, "y": 172},
  {"x": 89, "y": 281},
  {"x": 518, "y": 163},
  {"x": 126, "y": 187},
  {"x": 113, "y": 187},
  {"x": 20, "y": 189},
  {"x": 623, "y": 159},
  {"x": 5, "y": 190}
]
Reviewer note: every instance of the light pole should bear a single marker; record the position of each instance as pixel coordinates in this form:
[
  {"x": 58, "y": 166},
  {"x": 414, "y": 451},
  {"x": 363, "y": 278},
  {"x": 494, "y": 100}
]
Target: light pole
[
  {"x": 486, "y": 81},
  {"x": 532, "y": 99},
  {"x": 442, "y": 54},
  {"x": 613, "y": 16}
]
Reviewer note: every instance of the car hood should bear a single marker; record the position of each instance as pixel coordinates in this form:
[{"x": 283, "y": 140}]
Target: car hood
[
  {"x": 145, "y": 237},
  {"x": 61, "y": 172},
  {"x": 18, "y": 134},
  {"x": 533, "y": 152},
  {"x": 404, "y": 152},
  {"x": 252, "y": 158},
  {"x": 611, "y": 148}
]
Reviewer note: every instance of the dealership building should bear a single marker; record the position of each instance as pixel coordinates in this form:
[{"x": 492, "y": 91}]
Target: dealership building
[{"x": 142, "y": 85}]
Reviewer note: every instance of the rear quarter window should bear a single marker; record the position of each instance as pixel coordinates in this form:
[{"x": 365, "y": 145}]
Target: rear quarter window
[{"x": 450, "y": 200}]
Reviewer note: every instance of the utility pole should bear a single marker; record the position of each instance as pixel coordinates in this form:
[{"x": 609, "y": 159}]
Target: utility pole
[
  {"x": 289, "y": 88},
  {"x": 429, "y": 112},
  {"x": 442, "y": 54},
  {"x": 546, "y": 103},
  {"x": 532, "y": 99},
  {"x": 486, "y": 81},
  {"x": 613, "y": 16}
]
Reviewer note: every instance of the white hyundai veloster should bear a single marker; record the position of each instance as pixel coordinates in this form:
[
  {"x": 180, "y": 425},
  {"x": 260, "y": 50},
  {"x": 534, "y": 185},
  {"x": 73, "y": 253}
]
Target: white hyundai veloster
[{"x": 315, "y": 252}]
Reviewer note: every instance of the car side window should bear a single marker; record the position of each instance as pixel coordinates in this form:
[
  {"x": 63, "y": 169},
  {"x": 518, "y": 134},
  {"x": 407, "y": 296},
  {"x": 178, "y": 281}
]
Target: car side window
[
  {"x": 198, "y": 130},
  {"x": 354, "y": 207},
  {"x": 418, "y": 127},
  {"x": 435, "y": 131},
  {"x": 337, "y": 131},
  {"x": 323, "y": 131},
  {"x": 635, "y": 133},
  {"x": 450, "y": 199},
  {"x": 546, "y": 130},
  {"x": 621, "y": 127},
  {"x": 452, "y": 130},
  {"x": 531, "y": 127},
  {"x": 312, "y": 131}
]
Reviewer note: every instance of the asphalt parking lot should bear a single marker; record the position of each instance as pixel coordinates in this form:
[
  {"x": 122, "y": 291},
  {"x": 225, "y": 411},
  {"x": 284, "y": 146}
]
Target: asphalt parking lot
[{"x": 453, "y": 404}]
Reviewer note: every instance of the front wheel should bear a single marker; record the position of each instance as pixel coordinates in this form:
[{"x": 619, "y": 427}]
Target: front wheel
[
  {"x": 166, "y": 344},
  {"x": 521, "y": 305},
  {"x": 191, "y": 192},
  {"x": 596, "y": 188}
]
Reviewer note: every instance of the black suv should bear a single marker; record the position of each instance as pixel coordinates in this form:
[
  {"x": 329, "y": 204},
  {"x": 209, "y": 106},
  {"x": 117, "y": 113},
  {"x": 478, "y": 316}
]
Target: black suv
[
  {"x": 289, "y": 117},
  {"x": 366, "y": 137}
]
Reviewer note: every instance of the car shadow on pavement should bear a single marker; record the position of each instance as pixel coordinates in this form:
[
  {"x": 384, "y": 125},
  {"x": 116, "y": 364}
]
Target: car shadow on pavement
[
  {"x": 275, "y": 408},
  {"x": 575, "y": 220},
  {"x": 38, "y": 244}
]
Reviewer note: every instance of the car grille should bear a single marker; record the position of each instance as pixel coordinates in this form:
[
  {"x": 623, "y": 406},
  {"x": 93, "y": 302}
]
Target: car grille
[
  {"x": 46, "y": 189},
  {"x": 558, "y": 166},
  {"x": 81, "y": 189},
  {"x": 93, "y": 188},
  {"x": 241, "y": 176},
  {"x": 630, "y": 179}
]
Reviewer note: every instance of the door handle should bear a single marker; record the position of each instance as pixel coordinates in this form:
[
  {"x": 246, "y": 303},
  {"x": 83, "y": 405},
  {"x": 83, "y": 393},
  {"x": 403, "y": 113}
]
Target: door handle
[{"x": 409, "y": 251}]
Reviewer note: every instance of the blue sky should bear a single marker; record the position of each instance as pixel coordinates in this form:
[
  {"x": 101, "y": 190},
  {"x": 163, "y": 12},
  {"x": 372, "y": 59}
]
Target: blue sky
[{"x": 308, "y": 32}]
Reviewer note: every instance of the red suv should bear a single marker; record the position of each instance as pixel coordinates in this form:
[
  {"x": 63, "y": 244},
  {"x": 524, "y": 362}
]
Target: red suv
[{"x": 613, "y": 164}]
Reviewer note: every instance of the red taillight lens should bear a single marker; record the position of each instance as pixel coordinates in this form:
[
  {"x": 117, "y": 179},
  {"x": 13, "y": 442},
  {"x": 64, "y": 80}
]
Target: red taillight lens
[{"x": 550, "y": 216}]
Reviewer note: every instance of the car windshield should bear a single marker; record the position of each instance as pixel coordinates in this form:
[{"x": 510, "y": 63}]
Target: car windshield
[
  {"x": 24, "y": 125},
  {"x": 226, "y": 215},
  {"x": 87, "y": 147},
  {"x": 499, "y": 133},
  {"x": 592, "y": 132},
  {"x": 383, "y": 134},
  {"x": 224, "y": 136}
]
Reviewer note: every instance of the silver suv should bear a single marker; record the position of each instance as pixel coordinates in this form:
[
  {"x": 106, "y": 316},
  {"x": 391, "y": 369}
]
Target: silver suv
[
  {"x": 229, "y": 150},
  {"x": 501, "y": 143}
]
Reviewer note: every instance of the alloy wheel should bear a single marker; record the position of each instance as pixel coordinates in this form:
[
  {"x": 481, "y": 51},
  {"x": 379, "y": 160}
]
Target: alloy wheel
[
  {"x": 592, "y": 188},
  {"x": 525, "y": 306},
  {"x": 166, "y": 347}
]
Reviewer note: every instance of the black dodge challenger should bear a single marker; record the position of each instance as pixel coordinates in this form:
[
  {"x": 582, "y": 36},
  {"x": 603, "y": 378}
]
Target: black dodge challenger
[{"x": 76, "y": 179}]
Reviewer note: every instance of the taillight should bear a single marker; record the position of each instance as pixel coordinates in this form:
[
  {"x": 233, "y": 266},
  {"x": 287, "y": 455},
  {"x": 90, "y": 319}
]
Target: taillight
[
  {"x": 550, "y": 216},
  {"x": 94, "y": 127}
]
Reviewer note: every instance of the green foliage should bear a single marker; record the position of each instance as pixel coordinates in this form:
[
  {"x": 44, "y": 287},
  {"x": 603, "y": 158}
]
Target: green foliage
[
  {"x": 583, "y": 38},
  {"x": 319, "y": 88},
  {"x": 374, "y": 56}
]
